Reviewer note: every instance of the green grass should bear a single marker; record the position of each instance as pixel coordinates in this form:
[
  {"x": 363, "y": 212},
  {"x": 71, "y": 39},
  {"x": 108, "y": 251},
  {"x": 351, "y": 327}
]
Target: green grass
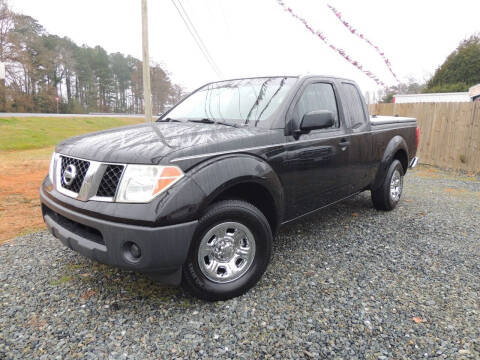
[
  {"x": 34, "y": 133},
  {"x": 63, "y": 280}
]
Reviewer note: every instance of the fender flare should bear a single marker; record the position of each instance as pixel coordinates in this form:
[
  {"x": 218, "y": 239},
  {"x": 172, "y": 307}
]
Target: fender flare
[
  {"x": 396, "y": 143},
  {"x": 218, "y": 174}
]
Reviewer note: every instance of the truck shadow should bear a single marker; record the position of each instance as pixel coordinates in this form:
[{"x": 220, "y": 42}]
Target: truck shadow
[
  {"x": 120, "y": 287},
  {"x": 359, "y": 205}
]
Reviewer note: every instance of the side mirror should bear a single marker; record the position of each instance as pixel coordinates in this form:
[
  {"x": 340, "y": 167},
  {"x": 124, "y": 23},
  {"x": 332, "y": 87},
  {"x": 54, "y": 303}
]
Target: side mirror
[{"x": 319, "y": 119}]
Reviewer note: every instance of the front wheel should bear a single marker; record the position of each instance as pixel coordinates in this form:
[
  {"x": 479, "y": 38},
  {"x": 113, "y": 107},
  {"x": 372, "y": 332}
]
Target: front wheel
[
  {"x": 387, "y": 196},
  {"x": 230, "y": 251}
]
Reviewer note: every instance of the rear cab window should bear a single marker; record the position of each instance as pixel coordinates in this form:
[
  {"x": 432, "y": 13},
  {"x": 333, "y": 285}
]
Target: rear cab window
[{"x": 353, "y": 105}]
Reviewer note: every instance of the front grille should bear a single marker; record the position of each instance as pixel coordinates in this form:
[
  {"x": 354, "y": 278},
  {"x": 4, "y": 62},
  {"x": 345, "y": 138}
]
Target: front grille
[
  {"x": 82, "y": 168},
  {"x": 111, "y": 178}
]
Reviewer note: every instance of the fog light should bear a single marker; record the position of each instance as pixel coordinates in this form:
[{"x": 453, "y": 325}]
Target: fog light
[
  {"x": 132, "y": 251},
  {"x": 135, "y": 251}
]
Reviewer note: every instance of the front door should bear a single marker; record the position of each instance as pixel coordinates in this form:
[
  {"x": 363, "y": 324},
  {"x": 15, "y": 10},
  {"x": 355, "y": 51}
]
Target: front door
[{"x": 316, "y": 172}]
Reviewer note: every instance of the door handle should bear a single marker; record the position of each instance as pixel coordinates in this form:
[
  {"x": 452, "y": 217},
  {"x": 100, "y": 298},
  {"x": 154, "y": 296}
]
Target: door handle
[{"x": 344, "y": 143}]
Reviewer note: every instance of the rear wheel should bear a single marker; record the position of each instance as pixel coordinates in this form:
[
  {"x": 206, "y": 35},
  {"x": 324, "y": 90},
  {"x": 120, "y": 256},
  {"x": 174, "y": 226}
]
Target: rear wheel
[
  {"x": 388, "y": 195},
  {"x": 230, "y": 251}
]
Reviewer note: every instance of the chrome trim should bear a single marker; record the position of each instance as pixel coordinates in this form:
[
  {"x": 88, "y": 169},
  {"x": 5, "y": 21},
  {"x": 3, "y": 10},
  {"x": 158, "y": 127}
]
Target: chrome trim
[
  {"x": 90, "y": 183},
  {"x": 79, "y": 158},
  {"x": 55, "y": 164},
  {"x": 92, "y": 180},
  {"x": 413, "y": 162},
  {"x": 69, "y": 174}
]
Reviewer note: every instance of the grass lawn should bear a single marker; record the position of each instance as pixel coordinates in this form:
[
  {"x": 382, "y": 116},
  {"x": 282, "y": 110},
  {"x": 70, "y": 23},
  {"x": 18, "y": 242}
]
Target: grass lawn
[
  {"x": 26, "y": 145},
  {"x": 34, "y": 133}
]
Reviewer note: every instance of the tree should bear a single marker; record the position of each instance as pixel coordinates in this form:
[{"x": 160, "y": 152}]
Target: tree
[
  {"x": 41, "y": 67},
  {"x": 461, "y": 69},
  {"x": 176, "y": 94},
  {"x": 409, "y": 87},
  {"x": 121, "y": 79},
  {"x": 6, "y": 25}
]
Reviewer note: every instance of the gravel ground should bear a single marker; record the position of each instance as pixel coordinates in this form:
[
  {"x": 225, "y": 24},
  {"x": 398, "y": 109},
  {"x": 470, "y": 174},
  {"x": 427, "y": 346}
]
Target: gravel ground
[{"x": 348, "y": 282}]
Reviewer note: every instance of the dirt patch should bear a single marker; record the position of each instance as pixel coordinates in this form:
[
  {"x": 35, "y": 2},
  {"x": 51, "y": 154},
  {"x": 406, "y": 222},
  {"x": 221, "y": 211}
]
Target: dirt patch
[
  {"x": 459, "y": 192},
  {"x": 455, "y": 191},
  {"x": 21, "y": 174},
  {"x": 432, "y": 172},
  {"x": 428, "y": 172}
]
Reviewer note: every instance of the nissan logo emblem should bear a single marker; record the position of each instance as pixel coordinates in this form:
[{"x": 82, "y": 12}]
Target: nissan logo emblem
[{"x": 69, "y": 174}]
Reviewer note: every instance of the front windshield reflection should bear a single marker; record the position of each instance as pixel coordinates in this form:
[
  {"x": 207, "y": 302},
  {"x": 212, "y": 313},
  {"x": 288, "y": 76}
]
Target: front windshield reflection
[{"x": 241, "y": 101}]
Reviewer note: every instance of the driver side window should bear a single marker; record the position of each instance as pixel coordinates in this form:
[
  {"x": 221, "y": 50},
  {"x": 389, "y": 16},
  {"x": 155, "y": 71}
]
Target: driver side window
[{"x": 317, "y": 96}]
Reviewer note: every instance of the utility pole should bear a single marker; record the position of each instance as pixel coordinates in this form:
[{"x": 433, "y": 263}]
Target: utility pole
[
  {"x": 3, "y": 90},
  {"x": 147, "y": 91}
]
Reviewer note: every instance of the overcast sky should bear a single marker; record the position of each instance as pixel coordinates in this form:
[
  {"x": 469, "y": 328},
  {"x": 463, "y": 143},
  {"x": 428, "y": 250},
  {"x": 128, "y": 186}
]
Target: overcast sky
[{"x": 257, "y": 37}]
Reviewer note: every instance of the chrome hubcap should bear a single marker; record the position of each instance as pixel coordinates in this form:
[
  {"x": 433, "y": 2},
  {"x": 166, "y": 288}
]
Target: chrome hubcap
[
  {"x": 396, "y": 186},
  {"x": 226, "y": 252}
]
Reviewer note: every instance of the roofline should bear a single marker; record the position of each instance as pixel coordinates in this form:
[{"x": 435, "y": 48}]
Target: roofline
[
  {"x": 254, "y": 77},
  {"x": 308, "y": 76},
  {"x": 301, "y": 76}
]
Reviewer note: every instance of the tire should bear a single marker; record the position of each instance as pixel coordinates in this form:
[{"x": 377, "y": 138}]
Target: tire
[
  {"x": 384, "y": 198},
  {"x": 232, "y": 232}
]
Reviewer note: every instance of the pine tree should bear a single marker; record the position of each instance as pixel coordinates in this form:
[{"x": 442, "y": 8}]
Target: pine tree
[{"x": 460, "y": 71}]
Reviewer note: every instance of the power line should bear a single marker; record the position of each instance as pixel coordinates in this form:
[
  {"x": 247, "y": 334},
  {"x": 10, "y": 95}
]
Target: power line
[
  {"x": 200, "y": 39},
  {"x": 196, "y": 36}
]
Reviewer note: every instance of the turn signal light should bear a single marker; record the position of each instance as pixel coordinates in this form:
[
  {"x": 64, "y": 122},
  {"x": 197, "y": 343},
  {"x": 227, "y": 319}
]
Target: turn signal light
[{"x": 167, "y": 177}]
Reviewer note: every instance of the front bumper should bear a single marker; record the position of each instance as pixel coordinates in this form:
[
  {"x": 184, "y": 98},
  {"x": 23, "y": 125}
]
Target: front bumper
[{"x": 163, "y": 250}]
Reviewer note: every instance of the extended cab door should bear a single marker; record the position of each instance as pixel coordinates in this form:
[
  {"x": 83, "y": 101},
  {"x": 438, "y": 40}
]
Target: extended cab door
[
  {"x": 361, "y": 162},
  {"x": 316, "y": 169}
]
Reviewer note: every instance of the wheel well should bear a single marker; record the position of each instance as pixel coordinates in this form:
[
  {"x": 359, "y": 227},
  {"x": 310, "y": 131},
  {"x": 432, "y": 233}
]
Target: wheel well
[
  {"x": 256, "y": 195},
  {"x": 401, "y": 156}
]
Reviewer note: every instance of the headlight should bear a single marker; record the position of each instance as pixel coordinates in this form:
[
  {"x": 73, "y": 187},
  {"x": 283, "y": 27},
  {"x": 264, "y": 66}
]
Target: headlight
[
  {"x": 51, "y": 170},
  {"x": 141, "y": 183}
]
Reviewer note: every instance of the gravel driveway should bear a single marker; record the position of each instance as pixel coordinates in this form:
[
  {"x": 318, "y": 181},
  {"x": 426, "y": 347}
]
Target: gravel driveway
[{"x": 348, "y": 282}]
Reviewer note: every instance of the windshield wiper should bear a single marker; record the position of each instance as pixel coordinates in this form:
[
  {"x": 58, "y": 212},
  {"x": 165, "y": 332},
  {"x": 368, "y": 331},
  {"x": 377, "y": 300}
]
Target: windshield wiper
[
  {"x": 169, "y": 120},
  {"x": 210, "y": 121}
]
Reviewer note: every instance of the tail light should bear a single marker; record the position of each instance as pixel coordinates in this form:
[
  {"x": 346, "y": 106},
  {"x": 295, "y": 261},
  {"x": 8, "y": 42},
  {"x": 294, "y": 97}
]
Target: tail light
[{"x": 418, "y": 136}]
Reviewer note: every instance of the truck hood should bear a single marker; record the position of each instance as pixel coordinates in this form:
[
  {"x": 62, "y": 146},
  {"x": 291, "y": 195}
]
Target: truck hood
[{"x": 151, "y": 143}]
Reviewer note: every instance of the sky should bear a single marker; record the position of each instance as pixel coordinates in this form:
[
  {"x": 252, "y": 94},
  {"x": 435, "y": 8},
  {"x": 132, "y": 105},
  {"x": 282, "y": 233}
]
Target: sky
[{"x": 258, "y": 38}]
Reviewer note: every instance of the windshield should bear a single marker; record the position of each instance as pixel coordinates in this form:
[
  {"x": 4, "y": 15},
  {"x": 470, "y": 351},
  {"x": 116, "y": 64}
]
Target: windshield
[{"x": 234, "y": 101}]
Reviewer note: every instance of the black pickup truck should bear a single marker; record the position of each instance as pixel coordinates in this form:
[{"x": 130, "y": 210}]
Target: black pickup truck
[{"x": 198, "y": 196}]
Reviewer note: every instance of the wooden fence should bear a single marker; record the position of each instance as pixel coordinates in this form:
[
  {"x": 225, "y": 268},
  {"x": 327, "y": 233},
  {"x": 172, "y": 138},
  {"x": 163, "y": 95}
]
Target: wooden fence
[{"x": 449, "y": 132}]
